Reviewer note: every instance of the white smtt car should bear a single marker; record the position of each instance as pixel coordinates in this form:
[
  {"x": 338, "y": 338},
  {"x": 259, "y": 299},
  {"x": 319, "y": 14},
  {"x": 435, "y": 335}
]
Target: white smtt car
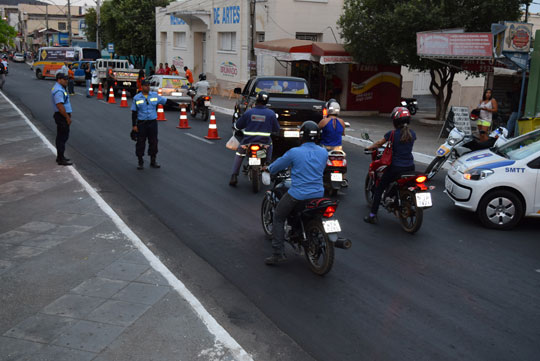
[{"x": 501, "y": 184}]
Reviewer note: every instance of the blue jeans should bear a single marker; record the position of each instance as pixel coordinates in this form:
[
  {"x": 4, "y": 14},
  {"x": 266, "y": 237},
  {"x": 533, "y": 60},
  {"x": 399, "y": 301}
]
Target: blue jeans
[
  {"x": 512, "y": 125},
  {"x": 88, "y": 85}
]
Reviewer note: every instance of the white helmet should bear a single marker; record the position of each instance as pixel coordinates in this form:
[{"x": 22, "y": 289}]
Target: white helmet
[{"x": 333, "y": 107}]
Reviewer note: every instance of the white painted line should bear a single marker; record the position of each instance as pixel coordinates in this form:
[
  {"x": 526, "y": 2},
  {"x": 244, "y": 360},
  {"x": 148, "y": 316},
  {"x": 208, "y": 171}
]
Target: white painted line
[
  {"x": 199, "y": 138},
  {"x": 223, "y": 110},
  {"x": 213, "y": 326}
]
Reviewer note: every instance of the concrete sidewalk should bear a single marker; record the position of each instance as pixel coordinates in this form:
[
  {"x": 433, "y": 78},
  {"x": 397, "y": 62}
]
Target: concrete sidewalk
[{"x": 77, "y": 283}]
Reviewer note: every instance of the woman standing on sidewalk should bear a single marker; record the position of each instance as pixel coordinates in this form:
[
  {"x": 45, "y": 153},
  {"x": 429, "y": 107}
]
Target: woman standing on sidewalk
[{"x": 487, "y": 107}]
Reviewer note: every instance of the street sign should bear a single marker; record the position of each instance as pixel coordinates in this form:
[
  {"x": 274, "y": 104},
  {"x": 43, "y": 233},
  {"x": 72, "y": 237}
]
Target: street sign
[
  {"x": 465, "y": 46},
  {"x": 457, "y": 117},
  {"x": 110, "y": 47},
  {"x": 520, "y": 59}
]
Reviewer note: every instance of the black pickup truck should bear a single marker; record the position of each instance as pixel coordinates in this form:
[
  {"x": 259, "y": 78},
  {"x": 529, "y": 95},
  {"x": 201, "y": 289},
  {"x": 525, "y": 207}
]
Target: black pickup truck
[{"x": 289, "y": 98}]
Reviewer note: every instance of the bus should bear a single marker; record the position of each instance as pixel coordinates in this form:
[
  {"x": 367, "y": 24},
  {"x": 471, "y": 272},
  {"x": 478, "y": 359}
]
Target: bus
[{"x": 50, "y": 59}]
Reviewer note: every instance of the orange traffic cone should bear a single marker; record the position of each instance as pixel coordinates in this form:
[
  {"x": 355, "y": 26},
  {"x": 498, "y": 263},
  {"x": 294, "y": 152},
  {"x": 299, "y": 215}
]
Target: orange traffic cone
[
  {"x": 183, "y": 124},
  {"x": 159, "y": 92},
  {"x": 160, "y": 113},
  {"x": 212, "y": 128},
  {"x": 91, "y": 91},
  {"x": 123, "y": 100},
  {"x": 111, "y": 96},
  {"x": 100, "y": 93}
]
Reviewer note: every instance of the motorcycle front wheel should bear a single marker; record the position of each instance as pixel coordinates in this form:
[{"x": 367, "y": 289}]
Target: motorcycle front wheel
[
  {"x": 434, "y": 167},
  {"x": 412, "y": 110},
  {"x": 369, "y": 190},
  {"x": 410, "y": 216},
  {"x": 319, "y": 249},
  {"x": 255, "y": 175},
  {"x": 267, "y": 216}
]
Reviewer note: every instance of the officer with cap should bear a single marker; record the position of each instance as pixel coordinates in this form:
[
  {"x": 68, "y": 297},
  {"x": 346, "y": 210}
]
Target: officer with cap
[
  {"x": 62, "y": 116},
  {"x": 143, "y": 118}
]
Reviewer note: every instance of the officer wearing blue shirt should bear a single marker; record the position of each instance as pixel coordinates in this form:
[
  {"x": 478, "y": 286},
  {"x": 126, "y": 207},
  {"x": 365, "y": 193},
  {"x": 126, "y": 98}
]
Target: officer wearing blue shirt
[
  {"x": 62, "y": 116},
  {"x": 307, "y": 163},
  {"x": 143, "y": 118},
  {"x": 258, "y": 124}
]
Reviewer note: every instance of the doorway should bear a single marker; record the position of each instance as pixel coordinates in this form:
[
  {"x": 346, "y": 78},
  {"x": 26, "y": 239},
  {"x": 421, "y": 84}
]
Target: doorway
[{"x": 199, "y": 53}]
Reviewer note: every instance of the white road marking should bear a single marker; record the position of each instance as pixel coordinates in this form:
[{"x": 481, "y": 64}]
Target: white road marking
[
  {"x": 213, "y": 326},
  {"x": 199, "y": 138}
]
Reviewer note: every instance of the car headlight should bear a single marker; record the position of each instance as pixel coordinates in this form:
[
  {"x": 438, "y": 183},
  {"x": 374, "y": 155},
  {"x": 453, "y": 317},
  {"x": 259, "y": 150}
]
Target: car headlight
[
  {"x": 477, "y": 174},
  {"x": 404, "y": 103}
]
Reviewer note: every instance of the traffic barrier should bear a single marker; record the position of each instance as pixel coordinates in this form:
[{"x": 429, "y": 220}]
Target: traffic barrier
[
  {"x": 160, "y": 113},
  {"x": 91, "y": 91},
  {"x": 212, "y": 128},
  {"x": 100, "y": 93},
  {"x": 111, "y": 96},
  {"x": 183, "y": 124},
  {"x": 123, "y": 100},
  {"x": 159, "y": 92}
]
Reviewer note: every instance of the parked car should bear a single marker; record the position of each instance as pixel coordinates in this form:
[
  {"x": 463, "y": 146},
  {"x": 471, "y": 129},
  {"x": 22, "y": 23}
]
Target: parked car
[
  {"x": 173, "y": 87},
  {"x": 501, "y": 184},
  {"x": 78, "y": 70},
  {"x": 18, "y": 57}
]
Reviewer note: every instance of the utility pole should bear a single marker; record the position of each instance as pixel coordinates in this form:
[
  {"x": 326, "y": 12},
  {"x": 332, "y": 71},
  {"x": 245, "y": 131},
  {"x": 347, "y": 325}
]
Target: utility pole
[
  {"x": 69, "y": 23},
  {"x": 97, "y": 26},
  {"x": 253, "y": 34},
  {"x": 47, "y": 23}
]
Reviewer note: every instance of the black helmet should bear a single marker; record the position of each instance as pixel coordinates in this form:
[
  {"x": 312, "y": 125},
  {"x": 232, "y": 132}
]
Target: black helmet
[
  {"x": 309, "y": 131},
  {"x": 262, "y": 97},
  {"x": 400, "y": 116},
  {"x": 202, "y": 76}
]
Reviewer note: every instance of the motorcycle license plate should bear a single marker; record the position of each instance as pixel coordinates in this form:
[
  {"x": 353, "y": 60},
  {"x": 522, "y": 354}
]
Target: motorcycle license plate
[
  {"x": 291, "y": 134},
  {"x": 206, "y": 103},
  {"x": 423, "y": 199},
  {"x": 336, "y": 177},
  {"x": 331, "y": 226},
  {"x": 254, "y": 161}
]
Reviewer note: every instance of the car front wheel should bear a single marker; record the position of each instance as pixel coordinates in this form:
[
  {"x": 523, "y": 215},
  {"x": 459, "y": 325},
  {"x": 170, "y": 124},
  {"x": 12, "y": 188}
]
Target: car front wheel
[{"x": 500, "y": 209}]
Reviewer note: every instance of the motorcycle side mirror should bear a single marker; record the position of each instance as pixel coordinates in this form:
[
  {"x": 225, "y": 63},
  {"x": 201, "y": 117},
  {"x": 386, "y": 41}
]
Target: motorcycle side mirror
[
  {"x": 347, "y": 125},
  {"x": 365, "y": 136},
  {"x": 237, "y": 90}
]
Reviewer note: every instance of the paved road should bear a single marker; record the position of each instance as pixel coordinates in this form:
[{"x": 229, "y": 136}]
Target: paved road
[{"x": 454, "y": 291}]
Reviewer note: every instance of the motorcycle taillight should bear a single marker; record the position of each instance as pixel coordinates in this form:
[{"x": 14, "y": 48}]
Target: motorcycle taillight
[
  {"x": 206, "y": 98},
  {"x": 329, "y": 211},
  {"x": 255, "y": 148},
  {"x": 337, "y": 162}
]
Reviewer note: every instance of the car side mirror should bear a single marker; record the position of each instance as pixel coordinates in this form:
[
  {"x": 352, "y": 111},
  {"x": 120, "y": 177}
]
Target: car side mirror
[
  {"x": 237, "y": 90},
  {"x": 365, "y": 136}
]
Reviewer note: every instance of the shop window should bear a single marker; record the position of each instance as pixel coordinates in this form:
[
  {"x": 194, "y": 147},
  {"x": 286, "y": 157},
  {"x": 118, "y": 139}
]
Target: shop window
[
  {"x": 227, "y": 41},
  {"x": 61, "y": 26},
  {"x": 308, "y": 36},
  {"x": 260, "y": 37},
  {"x": 179, "y": 39}
]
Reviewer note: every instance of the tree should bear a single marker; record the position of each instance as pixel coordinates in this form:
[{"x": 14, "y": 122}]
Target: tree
[
  {"x": 7, "y": 33},
  {"x": 130, "y": 25},
  {"x": 384, "y": 31}
]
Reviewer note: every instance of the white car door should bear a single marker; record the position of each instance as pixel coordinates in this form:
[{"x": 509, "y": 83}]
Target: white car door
[{"x": 535, "y": 164}]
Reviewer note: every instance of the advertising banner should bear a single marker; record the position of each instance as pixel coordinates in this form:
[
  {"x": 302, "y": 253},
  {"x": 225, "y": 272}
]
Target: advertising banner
[
  {"x": 374, "y": 87},
  {"x": 454, "y": 45},
  {"x": 517, "y": 37}
]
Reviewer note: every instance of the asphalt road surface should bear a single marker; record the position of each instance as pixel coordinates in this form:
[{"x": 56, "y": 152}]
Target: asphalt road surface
[{"x": 453, "y": 291}]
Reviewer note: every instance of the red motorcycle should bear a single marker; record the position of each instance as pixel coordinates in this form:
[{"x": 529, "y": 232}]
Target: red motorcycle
[{"x": 407, "y": 197}]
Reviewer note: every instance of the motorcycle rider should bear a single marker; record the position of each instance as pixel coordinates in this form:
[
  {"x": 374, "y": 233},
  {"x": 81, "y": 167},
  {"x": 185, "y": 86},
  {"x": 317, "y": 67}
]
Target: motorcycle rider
[
  {"x": 307, "y": 164},
  {"x": 258, "y": 124},
  {"x": 402, "y": 158},
  {"x": 201, "y": 87},
  {"x": 332, "y": 127}
]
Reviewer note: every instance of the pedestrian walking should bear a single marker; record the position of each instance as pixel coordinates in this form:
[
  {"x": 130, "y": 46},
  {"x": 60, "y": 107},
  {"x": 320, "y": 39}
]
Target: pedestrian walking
[
  {"x": 62, "y": 116},
  {"x": 71, "y": 80},
  {"x": 2, "y": 75},
  {"x": 110, "y": 79},
  {"x": 189, "y": 75},
  {"x": 144, "y": 122},
  {"x": 88, "y": 78},
  {"x": 64, "y": 68}
]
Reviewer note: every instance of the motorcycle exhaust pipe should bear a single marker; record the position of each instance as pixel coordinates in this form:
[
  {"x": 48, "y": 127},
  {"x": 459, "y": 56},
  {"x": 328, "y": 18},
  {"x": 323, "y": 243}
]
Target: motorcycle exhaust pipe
[{"x": 343, "y": 243}]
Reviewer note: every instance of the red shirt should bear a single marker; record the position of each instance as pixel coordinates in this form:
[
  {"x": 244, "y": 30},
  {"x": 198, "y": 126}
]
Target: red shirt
[
  {"x": 167, "y": 70},
  {"x": 189, "y": 76},
  {"x": 160, "y": 71}
]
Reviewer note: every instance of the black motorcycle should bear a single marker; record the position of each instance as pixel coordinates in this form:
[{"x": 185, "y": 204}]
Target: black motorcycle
[
  {"x": 309, "y": 229},
  {"x": 334, "y": 173},
  {"x": 411, "y": 104},
  {"x": 256, "y": 159},
  {"x": 201, "y": 105}
]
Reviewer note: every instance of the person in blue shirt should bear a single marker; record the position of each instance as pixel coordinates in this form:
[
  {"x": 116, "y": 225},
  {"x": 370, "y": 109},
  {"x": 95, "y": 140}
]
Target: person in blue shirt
[
  {"x": 62, "y": 116},
  {"x": 332, "y": 127},
  {"x": 307, "y": 163},
  {"x": 258, "y": 125},
  {"x": 402, "y": 157},
  {"x": 143, "y": 119}
]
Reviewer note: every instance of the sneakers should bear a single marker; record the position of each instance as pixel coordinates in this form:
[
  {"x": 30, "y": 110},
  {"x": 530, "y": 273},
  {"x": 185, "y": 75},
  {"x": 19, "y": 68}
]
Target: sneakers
[
  {"x": 234, "y": 180},
  {"x": 275, "y": 259},
  {"x": 140, "y": 166},
  {"x": 63, "y": 161},
  {"x": 371, "y": 220},
  {"x": 153, "y": 163}
]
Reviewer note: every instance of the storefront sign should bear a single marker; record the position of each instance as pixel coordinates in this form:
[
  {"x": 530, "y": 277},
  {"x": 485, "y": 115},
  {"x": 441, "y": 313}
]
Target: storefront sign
[
  {"x": 177, "y": 21},
  {"x": 227, "y": 15},
  {"x": 228, "y": 68},
  {"x": 458, "y": 117},
  {"x": 517, "y": 37},
  {"x": 520, "y": 59},
  {"x": 178, "y": 62},
  {"x": 454, "y": 45},
  {"x": 331, "y": 59}
]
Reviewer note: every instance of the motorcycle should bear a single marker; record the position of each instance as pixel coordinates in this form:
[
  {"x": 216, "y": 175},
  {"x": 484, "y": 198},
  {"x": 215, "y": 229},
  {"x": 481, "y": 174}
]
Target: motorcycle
[
  {"x": 411, "y": 104},
  {"x": 407, "y": 197},
  {"x": 458, "y": 144},
  {"x": 256, "y": 154},
  {"x": 201, "y": 105},
  {"x": 310, "y": 229},
  {"x": 336, "y": 168}
]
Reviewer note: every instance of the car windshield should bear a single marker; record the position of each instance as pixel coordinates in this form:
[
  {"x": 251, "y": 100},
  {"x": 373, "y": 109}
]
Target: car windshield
[
  {"x": 521, "y": 147},
  {"x": 172, "y": 83},
  {"x": 283, "y": 87}
]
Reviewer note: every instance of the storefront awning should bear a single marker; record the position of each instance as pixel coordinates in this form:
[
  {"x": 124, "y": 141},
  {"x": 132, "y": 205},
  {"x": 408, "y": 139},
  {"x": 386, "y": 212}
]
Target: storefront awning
[{"x": 295, "y": 50}]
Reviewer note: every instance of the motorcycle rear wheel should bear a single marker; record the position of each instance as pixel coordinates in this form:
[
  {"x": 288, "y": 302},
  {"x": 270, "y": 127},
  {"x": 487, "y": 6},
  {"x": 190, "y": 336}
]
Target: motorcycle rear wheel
[
  {"x": 412, "y": 110},
  {"x": 255, "y": 176},
  {"x": 369, "y": 190},
  {"x": 410, "y": 216},
  {"x": 267, "y": 216},
  {"x": 205, "y": 114},
  {"x": 434, "y": 167},
  {"x": 319, "y": 249}
]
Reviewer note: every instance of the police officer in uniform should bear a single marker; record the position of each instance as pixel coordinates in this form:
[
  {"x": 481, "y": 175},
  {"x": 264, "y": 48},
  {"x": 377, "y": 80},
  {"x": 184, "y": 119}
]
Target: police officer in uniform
[
  {"x": 258, "y": 124},
  {"x": 143, "y": 118},
  {"x": 62, "y": 116}
]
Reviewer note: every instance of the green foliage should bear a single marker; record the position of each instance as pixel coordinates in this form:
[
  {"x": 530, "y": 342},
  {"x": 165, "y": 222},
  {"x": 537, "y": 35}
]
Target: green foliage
[
  {"x": 7, "y": 33},
  {"x": 129, "y": 24}
]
